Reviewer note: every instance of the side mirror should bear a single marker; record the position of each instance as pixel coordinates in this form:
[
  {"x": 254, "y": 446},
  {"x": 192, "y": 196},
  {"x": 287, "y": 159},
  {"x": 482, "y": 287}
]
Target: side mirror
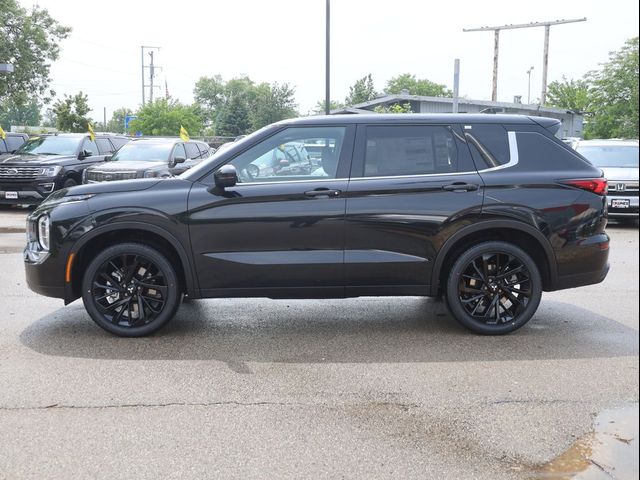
[
  {"x": 108, "y": 158},
  {"x": 225, "y": 176},
  {"x": 85, "y": 154},
  {"x": 176, "y": 160}
]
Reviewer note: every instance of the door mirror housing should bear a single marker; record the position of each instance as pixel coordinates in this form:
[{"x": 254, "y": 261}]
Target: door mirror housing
[
  {"x": 85, "y": 154},
  {"x": 176, "y": 160},
  {"x": 108, "y": 158},
  {"x": 225, "y": 176}
]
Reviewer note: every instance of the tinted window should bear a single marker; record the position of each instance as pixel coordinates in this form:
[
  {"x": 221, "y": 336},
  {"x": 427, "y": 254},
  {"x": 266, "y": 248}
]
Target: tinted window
[
  {"x": 192, "y": 150},
  {"x": 489, "y": 144},
  {"x": 87, "y": 144},
  {"x": 119, "y": 142},
  {"x": 540, "y": 152},
  {"x": 144, "y": 150},
  {"x": 104, "y": 145},
  {"x": 3, "y": 147},
  {"x": 204, "y": 150},
  {"x": 409, "y": 150},
  {"x": 13, "y": 143},
  {"x": 277, "y": 158},
  {"x": 179, "y": 151}
]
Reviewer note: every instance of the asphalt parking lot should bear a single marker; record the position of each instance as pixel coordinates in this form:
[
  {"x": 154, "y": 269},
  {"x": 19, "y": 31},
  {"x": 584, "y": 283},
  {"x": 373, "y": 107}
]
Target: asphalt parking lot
[{"x": 359, "y": 388}]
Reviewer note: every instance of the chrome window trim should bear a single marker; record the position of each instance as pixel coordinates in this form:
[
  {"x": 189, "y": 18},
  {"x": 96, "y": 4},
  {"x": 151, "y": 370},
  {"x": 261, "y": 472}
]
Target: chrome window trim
[
  {"x": 291, "y": 181},
  {"x": 513, "y": 154}
]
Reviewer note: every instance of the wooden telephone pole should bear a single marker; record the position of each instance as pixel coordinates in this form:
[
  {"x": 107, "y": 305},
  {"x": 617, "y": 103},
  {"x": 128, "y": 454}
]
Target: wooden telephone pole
[{"x": 545, "y": 56}]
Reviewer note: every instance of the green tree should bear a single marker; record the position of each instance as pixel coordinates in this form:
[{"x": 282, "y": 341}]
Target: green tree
[
  {"x": 30, "y": 40},
  {"x": 361, "y": 91},
  {"x": 333, "y": 105},
  {"x": 272, "y": 103},
  {"x": 19, "y": 109},
  {"x": 71, "y": 113},
  {"x": 209, "y": 94},
  {"x": 614, "y": 93},
  {"x": 394, "y": 108},
  {"x": 116, "y": 124},
  {"x": 233, "y": 119},
  {"x": 416, "y": 86},
  {"x": 569, "y": 94},
  {"x": 164, "y": 116}
]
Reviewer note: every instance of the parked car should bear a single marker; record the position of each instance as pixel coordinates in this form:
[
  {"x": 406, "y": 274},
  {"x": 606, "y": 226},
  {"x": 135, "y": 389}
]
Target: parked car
[
  {"x": 12, "y": 142},
  {"x": 618, "y": 159},
  {"x": 487, "y": 210},
  {"x": 148, "y": 158},
  {"x": 287, "y": 159},
  {"x": 46, "y": 163}
]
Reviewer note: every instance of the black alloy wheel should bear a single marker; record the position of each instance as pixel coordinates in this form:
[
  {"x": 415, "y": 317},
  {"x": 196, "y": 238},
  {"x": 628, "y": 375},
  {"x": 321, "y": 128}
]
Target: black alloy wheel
[
  {"x": 131, "y": 290},
  {"x": 494, "y": 288}
]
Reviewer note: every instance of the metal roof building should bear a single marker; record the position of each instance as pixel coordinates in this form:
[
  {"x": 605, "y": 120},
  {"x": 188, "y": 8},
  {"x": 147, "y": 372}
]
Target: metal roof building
[{"x": 572, "y": 122}]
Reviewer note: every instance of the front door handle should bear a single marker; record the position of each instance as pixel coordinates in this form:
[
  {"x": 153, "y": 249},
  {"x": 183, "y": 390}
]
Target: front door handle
[
  {"x": 323, "y": 192},
  {"x": 460, "y": 187}
]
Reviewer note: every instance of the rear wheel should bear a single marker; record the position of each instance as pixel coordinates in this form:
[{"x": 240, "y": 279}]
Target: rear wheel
[
  {"x": 130, "y": 290},
  {"x": 494, "y": 288}
]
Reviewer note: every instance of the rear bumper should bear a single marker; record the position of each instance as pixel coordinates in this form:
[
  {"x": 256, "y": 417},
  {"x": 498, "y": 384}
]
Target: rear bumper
[
  {"x": 590, "y": 264},
  {"x": 582, "y": 279}
]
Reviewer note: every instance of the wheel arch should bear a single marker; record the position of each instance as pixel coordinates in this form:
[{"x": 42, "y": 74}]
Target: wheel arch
[
  {"x": 122, "y": 232},
  {"x": 517, "y": 233}
]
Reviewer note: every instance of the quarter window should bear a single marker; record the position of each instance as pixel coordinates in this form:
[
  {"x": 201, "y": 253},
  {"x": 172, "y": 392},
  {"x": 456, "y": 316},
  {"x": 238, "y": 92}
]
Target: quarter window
[{"x": 409, "y": 150}]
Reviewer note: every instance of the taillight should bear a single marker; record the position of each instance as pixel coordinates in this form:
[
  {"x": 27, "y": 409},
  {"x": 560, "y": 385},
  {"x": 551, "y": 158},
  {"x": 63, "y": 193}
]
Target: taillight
[{"x": 593, "y": 185}]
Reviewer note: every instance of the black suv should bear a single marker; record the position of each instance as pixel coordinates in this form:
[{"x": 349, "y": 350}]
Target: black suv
[
  {"x": 46, "y": 163},
  {"x": 487, "y": 210},
  {"x": 12, "y": 142},
  {"x": 148, "y": 158}
]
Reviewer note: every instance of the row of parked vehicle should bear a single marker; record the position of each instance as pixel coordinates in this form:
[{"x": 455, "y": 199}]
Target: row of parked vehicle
[{"x": 31, "y": 169}]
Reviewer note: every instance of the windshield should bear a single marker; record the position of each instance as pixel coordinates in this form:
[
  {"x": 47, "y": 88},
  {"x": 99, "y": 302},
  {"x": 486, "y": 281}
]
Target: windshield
[
  {"x": 611, "y": 156},
  {"x": 50, "y": 146},
  {"x": 142, "y": 151}
]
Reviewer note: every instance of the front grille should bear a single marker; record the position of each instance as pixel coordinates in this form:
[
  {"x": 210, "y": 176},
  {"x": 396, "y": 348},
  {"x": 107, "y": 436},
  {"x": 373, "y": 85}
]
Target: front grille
[
  {"x": 19, "y": 173},
  {"x": 101, "y": 176},
  {"x": 623, "y": 188}
]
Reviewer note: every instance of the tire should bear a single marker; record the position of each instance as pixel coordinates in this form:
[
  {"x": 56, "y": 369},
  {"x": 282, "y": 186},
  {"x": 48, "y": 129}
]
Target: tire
[
  {"x": 69, "y": 182},
  {"x": 494, "y": 288},
  {"x": 126, "y": 279}
]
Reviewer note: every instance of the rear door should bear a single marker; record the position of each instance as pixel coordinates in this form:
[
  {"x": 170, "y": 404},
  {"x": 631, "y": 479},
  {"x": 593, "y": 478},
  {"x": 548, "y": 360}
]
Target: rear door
[{"x": 410, "y": 187}]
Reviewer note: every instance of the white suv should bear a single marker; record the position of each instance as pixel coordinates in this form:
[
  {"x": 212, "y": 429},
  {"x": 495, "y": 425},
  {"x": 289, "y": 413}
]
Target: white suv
[{"x": 619, "y": 161}]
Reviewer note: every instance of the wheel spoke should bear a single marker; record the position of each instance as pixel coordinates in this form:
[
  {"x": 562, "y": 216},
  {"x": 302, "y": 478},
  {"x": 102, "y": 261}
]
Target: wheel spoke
[
  {"x": 469, "y": 300},
  {"x": 116, "y": 304},
  {"x": 151, "y": 307}
]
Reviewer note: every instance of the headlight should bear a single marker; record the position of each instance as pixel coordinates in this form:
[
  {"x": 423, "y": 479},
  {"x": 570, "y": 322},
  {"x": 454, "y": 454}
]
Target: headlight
[
  {"x": 151, "y": 173},
  {"x": 43, "y": 232},
  {"x": 50, "y": 171},
  {"x": 57, "y": 200}
]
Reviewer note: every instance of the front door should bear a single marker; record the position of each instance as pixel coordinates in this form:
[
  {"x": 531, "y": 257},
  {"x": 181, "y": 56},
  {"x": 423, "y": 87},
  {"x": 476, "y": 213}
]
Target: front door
[
  {"x": 408, "y": 185},
  {"x": 278, "y": 231}
]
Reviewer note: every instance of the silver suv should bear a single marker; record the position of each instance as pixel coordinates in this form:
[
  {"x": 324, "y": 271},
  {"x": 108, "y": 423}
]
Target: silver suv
[{"x": 619, "y": 161}]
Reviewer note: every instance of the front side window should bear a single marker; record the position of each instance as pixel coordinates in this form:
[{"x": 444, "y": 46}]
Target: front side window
[
  {"x": 192, "y": 150},
  {"x": 13, "y": 143},
  {"x": 178, "y": 152},
  {"x": 282, "y": 156},
  {"x": 104, "y": 145},
  {"x": 409, "y": 150},
  {"x": 50, "y": 145},
  {"x": 89, "y": 146}
]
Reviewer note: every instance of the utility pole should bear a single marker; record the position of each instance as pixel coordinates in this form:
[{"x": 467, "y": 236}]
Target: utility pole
[
  {"x": 151, "y": 68},
  {"x": 456, "y": 84},
  {"x": 327, "y": 97},
  {"x": 529, "y": 86},
  {"x": 545, "y": 57}
]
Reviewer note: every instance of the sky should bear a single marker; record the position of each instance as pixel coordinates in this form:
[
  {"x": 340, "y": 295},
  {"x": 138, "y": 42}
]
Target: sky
[{"x": 284, "y": 41}]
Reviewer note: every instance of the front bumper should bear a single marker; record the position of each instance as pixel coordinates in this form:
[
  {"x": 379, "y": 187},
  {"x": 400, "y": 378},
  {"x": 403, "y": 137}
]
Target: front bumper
[
  {"x": 46, "y": 277},
  {"x": 30, "y": 192}
]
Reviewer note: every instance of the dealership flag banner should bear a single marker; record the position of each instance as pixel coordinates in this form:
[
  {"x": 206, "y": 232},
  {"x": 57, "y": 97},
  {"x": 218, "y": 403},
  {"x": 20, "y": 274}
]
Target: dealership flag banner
[
  {"x": 183, "y": 134},
  {"x": 92, "y": 134},
  {"x": 2, "y": 134}
]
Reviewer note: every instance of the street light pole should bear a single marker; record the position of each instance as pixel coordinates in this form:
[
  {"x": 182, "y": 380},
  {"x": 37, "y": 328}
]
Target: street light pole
[
  {"x": 327, "y": 98},
  {"x": 529, "y": 86}
]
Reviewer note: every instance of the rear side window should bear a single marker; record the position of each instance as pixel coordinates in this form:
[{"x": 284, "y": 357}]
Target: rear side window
[
  {"x": 489, "y": 144},
  {"x": 192, "y": 150},
  {"x": 543, "y": 152},
  {"x": 104, "y": 146},
  {"x": 409, "y": 150}
]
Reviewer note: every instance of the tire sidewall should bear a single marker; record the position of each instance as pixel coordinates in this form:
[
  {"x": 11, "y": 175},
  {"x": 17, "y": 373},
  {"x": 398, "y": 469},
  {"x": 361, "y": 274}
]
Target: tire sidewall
[
  {"x": 458, "y": 311},
  {"x": 173, "y": 291}
]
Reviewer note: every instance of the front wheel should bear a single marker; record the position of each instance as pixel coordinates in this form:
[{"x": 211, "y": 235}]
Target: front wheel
[
  {"x": 130, "y": 290},
  {"x": 494, "y": 288}
]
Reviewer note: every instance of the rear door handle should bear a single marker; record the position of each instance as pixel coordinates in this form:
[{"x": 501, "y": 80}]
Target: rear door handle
[
  {"x": 323, "y": 192},
  {"x": 460, "y": 187}
]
